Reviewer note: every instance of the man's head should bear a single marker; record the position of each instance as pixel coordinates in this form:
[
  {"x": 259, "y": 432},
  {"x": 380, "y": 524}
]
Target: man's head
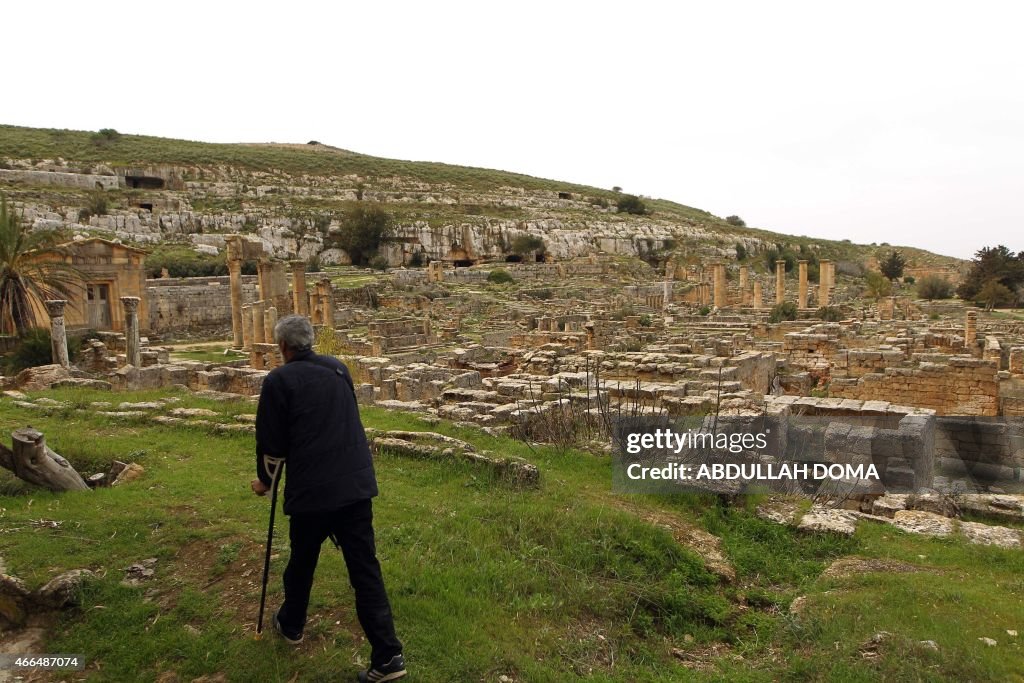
[{"x": 293, "y": 333}]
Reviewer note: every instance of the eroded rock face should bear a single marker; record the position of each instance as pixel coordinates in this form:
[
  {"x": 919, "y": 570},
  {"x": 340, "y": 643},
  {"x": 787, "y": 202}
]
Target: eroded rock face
[
  {"x": 920, "y": 522},
  {"x": 830, "y": 520},
  {"x": 40, "y": 377},
  {"x": 64, "y": 590},
  {"x": 17, "y": 603}
]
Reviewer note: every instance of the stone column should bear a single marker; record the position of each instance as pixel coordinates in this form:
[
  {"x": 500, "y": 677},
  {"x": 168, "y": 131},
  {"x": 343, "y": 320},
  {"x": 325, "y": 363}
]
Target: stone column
[
  {"x": 666, "y": 293},
  {"x": 824, "y": 282},
  {"x": 313, "y": 305},
  {"x": 721, "y": 295},
  {"x": 744, "y": 278},
  {"x": 801, "y": 301},
  {"x": 886, "y": 308},
  {"x": 258, "y": 336},
  {"x": 758, "y": 299},
  {"x": 299, "y": 298},
  {"x": 326, "y": 302},
  {"x": 131, "y": 329},
  {"x": 269, "y": 321},
  {"x": 780, "y": 281},
  {"x": 247, "y": 327},
  {"x": 235, "y": 279},
  {"x": 971, "y": 329},
  {"x": 58, "y": 332},
  {"x": 263, "y": 272}
]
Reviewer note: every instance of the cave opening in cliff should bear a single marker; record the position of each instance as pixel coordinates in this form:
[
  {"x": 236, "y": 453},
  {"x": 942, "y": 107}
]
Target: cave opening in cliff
[
  {"x": 143, "y": 182},
  {"x": 462, "y": 263},
  {"x": 513, "y": 258}
]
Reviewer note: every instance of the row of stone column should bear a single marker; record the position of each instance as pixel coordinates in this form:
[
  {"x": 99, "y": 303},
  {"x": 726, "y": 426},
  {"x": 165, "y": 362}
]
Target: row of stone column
[
  {"x": 258, "y": 322},
  {"x": 826, "y": 281},
  {"x": 300, "y": 301},
  {"x": 753, "y": 295}
]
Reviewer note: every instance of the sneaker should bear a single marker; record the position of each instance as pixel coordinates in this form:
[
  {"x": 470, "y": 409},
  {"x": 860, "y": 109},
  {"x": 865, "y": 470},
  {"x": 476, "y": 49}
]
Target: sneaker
[
  {"x": 290, "y": 638},
  {"x": 391, "y": 671}
]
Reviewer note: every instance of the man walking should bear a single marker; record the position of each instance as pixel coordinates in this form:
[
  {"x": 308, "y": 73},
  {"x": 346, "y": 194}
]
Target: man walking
[{"x": 308, "y": 416}]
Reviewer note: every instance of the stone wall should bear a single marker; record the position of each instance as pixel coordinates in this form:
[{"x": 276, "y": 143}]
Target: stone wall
[
  {"x": 196, "y": 376},
  {"x": 86, "y": 181},
  {"x": 957, "y": 386},
  {"x": 179, "y": 304}
]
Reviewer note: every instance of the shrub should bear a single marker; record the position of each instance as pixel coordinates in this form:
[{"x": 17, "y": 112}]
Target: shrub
[
  {"x": 95, "y": 205},
  {"x": 736, "y": 220},
  {"x": 313, "y": 264},
  {"x": 104, "y": 137},
  {"x": 499, "y": 277},
  {"x": 704, "y": 310},
  {"x": 993, "y": 294},
  {"x": 877, "y": 285},
  {"x": 181, "y": 260},
  {"x": 524, "y": 244},
  {"x": 909, "y": 280},
  {"x": 830, "y": 314},
  {"x": 784, "y": 311},
  {"x": 646, "y": 320},
  {"x": 741, "y": 252},
  {"x": 632, "y": 204},
  {"x": 934, "y": 287},
  {"x": 33, "y": 349},
  {"x": 379, "y": 263},
  {"x": 777, "y": 253}
]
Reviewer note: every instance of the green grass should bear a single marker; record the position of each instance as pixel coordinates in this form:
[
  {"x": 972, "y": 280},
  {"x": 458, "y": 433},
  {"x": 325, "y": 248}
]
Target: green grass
[{"x": 560, "y": 583}]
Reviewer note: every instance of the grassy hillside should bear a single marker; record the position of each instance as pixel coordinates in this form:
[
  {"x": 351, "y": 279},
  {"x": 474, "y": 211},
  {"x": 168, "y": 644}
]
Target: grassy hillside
[
  {"x": 81, "y": 147},
  {"x": 566, "y": 582},
  {"x": 134, "y": 150}
]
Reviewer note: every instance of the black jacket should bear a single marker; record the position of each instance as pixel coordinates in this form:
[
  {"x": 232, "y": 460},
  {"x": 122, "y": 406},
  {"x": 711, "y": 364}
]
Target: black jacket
[{"x": 308, "y": 415}]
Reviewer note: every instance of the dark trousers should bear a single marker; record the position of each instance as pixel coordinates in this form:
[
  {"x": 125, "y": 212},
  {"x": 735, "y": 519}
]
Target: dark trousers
[{"x": 352, "y": 528}]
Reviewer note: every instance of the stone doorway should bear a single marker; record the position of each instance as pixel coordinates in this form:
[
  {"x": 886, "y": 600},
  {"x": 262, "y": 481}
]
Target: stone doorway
[{"x": 98, "y": 306}]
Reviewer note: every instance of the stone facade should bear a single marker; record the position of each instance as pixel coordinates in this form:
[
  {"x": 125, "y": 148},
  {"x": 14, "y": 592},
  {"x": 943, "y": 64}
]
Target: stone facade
[{"x": 106, "y": 272}]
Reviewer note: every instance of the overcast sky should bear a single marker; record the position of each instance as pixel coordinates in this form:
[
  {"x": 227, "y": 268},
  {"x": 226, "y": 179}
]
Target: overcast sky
[{"x": 897, "y": 122}]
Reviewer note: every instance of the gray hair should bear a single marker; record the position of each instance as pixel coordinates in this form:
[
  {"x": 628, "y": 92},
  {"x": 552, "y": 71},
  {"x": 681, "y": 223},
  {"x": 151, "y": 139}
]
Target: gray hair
[{"x": 295, "y": 332}]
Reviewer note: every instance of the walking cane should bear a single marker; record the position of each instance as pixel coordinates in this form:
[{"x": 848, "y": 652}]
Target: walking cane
[{"x": 273, "y": 466}]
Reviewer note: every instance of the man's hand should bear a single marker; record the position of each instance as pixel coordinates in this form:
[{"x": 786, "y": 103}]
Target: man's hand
[{"x": 259, "y": 488}]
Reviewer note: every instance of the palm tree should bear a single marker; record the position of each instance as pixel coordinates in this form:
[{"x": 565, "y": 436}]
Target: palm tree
[{"x": 25, "y": 280}]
